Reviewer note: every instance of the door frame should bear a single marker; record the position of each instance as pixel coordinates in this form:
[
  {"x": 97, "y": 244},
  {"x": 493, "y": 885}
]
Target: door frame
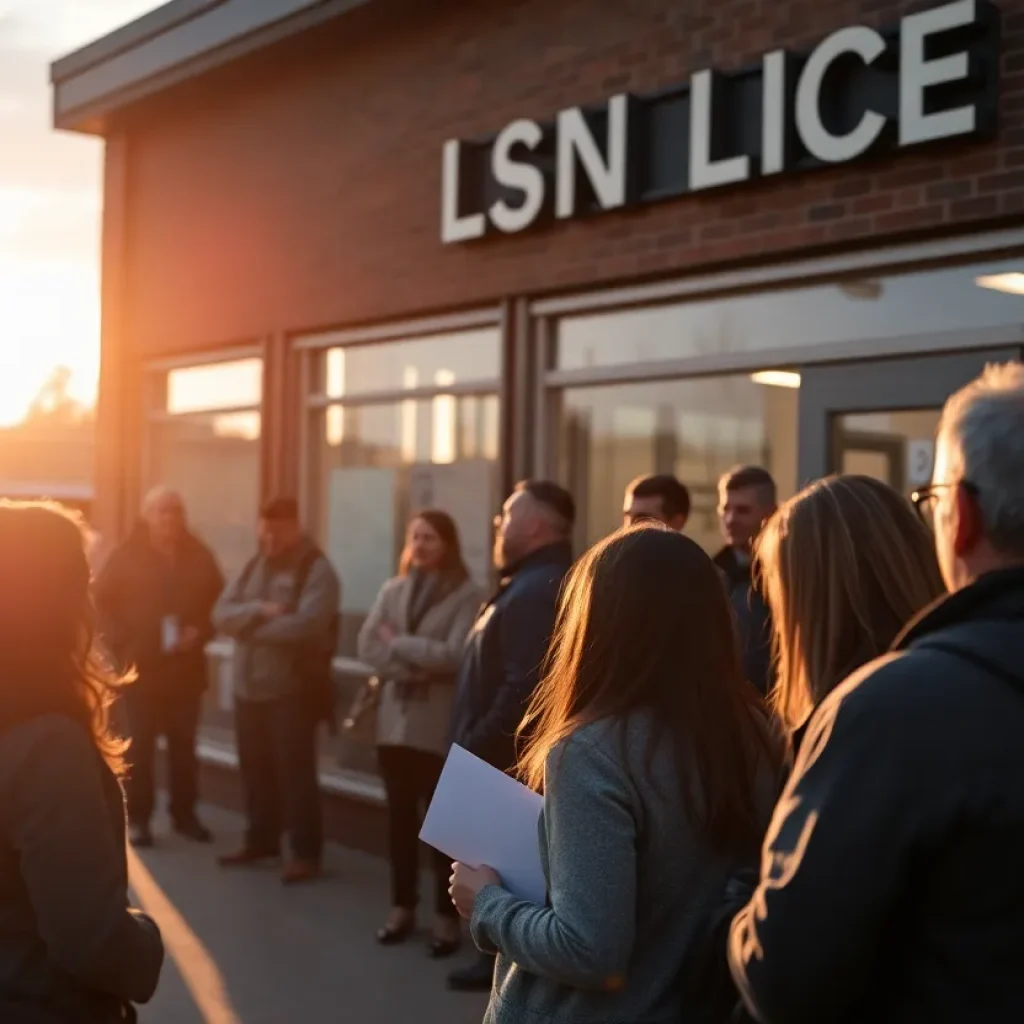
[{"x": 878, "y": 385}]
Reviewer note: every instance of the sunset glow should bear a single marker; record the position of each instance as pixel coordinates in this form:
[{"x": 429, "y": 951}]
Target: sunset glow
[{"x": 50, "y": 205}]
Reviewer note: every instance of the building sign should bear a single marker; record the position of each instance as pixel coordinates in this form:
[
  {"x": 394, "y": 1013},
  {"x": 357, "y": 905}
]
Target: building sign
[{"x": 860, "y": 92}]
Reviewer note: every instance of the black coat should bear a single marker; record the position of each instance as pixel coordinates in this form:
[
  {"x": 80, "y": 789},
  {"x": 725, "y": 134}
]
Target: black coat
[
  {"x": 71, "y": 951},
  {"x": 137, "y": 588},
  {"x": 503, "y": 657},
  {"x": 892, "y": 889},
  {"x": 753, "y": 621}
]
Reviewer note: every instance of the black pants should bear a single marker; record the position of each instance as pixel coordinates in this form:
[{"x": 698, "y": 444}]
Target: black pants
[
  {"x": 277, "y": 756},
  {"x": 174, "y": 715},
  {"x": 410, "y": 777}
]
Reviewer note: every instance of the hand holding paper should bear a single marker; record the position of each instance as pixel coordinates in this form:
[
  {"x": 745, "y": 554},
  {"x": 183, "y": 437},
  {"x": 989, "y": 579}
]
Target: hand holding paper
[{"x": 483, "y": 818}]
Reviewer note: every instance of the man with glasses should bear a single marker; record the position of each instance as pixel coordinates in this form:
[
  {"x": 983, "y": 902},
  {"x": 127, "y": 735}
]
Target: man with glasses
[
  {"x": 891, "y": 886},
  {"x": 507, "y": 646}
]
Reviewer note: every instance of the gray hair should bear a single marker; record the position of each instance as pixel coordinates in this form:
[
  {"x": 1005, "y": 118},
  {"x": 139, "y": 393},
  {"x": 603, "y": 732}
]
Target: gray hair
[
  {"x": 157, "y": 494},
  {"x": 983, "y": 424}
]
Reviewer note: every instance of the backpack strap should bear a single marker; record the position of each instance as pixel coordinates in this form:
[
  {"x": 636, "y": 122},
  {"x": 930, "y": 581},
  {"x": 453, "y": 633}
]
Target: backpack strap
[
  {"x": 303, "y": 570},
  {"x": 246, "y": 575}
]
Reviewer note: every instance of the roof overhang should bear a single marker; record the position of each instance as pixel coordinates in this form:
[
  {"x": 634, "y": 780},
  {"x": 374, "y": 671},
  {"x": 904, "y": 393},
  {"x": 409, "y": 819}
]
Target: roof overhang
[{"x": 178, "y": 41}]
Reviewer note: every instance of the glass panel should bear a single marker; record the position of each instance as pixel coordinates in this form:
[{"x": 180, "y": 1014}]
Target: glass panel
[
  {"x": 948, "y": 299},
  {"x": 215, "y": 386},
  {"x": 895, "y": 447},
  {"x": 378, "y": 463},
  {"x": 697, "y": 429},
  {"x": 214, "y": 462},
  {"x": 438, "y": 361}
]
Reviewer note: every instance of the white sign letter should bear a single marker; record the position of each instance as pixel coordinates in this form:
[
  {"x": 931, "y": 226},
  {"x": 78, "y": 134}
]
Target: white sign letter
[
  {"x": 607, "y": 176},
  {"x": 704, "y": 171},
  {"x": 525, "y": 177},
  {"x": 867, "y": 44},
  {"x": 773, "y": 113},
  {"x": 918, "y": 74},
  {"x": 455, "y": 228}
]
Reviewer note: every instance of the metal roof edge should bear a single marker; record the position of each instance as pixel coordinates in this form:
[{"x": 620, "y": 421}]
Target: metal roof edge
[{"x": 181, "y": 40}]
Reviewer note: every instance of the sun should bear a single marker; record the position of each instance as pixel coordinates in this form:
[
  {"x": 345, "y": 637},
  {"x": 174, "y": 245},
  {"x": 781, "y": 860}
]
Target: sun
[{"x": 50, "y": 314}]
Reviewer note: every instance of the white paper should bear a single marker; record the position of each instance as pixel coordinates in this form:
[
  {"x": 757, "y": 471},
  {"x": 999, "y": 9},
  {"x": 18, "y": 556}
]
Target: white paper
[
  {"x": 170, "y": 633},
  {"x": 482, "y": 817}
]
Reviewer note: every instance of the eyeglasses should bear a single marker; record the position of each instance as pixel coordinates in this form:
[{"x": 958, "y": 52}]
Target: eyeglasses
[{"x": 926, "y": 498}]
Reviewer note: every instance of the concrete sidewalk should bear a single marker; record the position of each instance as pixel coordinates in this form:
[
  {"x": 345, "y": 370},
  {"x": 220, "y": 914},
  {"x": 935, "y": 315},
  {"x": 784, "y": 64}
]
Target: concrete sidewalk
[{"x": 244, "y": 950}]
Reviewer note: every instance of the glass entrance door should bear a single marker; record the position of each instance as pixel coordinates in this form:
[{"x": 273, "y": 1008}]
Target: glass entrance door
[{"x": 879, "y": 417}]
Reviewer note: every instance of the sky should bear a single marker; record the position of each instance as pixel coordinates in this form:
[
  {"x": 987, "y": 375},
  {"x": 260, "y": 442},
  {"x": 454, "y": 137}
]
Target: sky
[{"x": 50, "y": 203}]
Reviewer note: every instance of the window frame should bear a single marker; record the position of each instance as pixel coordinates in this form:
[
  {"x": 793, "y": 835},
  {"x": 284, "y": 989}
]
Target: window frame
[
  {"x": 545, "y": 315},
  {"x": 154, "y": 414}
]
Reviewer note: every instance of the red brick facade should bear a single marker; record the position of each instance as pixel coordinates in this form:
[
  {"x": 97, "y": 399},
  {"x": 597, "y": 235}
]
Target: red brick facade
[{"x": 301, "y": 189}]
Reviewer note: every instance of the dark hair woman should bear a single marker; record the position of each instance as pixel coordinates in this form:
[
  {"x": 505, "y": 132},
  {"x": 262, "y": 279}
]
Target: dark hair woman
[
  {"x": 658, "y": 773},
  {"x": 845, "y": 565},
  {"x": 413, "y": 639},
  {"x": 70, "y": 948}
]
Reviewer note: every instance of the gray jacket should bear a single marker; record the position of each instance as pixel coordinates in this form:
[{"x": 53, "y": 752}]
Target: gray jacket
[
  {"x": 629, "y": 885},
  {"x": 418, "y": 669},
  {"x": 266, "y": 650}
]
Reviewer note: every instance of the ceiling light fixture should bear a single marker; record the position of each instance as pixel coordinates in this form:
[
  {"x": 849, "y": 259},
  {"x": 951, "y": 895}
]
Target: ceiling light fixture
[
  {"x": 1010, "y": 284},
  {"x": 777, "y": 378}
]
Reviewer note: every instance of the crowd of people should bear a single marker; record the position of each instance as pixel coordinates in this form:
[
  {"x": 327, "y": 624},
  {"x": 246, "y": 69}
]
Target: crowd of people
[{"x": 783, "y": 783}]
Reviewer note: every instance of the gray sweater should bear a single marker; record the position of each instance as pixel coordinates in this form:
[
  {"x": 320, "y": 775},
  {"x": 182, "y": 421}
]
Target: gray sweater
[{"x": 628, "y": 885}]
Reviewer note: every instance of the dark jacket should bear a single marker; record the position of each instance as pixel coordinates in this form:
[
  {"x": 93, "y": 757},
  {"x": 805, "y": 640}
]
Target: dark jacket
[
  {"x": 504, "y": 653},
  {"x": 752, "y": 620},
  {"x": 137, "y": 588},
  {"x": 891, "y": 886},
  {"x": 71, "y": 950}
]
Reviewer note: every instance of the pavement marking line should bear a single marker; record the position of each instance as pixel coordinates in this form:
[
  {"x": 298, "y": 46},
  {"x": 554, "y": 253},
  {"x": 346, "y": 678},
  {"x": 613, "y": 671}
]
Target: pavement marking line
[{"x": 198, "y": 969}]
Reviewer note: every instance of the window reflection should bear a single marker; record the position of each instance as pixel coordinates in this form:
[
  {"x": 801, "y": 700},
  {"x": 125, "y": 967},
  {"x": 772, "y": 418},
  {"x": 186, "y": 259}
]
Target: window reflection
[
  {"x": 213, "y": 460},
  {"x": 227, "y": 385},
  {"x": 465, "y": 356},
  {"x": 947, "y": 299},
  {"x": 696, "y": 429},
  {"x": 376, "y": 464}
]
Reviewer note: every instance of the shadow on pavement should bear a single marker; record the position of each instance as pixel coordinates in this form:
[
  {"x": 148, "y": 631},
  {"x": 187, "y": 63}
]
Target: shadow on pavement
[{"x": 244, "y": 950}]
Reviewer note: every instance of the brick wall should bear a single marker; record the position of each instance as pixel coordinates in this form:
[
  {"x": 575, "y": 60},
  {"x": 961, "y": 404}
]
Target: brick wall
[{"x": 301, "y": 188}]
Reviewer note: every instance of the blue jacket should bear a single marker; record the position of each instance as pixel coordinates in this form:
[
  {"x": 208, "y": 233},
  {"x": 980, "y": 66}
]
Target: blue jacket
[{"x": 504, "y": 654}]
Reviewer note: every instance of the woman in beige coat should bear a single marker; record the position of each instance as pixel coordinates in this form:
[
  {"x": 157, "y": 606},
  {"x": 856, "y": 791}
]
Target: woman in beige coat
[{"x": 413, "y": 639}]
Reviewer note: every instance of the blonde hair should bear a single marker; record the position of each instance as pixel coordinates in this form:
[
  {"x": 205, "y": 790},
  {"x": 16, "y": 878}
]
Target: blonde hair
[{"x": 844, "y": 566}]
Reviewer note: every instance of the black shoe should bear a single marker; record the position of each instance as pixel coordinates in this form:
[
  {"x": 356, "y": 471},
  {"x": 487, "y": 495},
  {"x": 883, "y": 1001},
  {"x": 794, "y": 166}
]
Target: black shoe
[
  {"x": 477, "y": 977},
  {"x": 395, "y": 935},
  {"x": 140, "y": 836},
  {"x": 441, "y": 949},
  {"x": 194, "y": 829}
]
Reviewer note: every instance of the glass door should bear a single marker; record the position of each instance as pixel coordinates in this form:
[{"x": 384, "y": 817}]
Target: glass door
[{"x": 879, "y": 417}]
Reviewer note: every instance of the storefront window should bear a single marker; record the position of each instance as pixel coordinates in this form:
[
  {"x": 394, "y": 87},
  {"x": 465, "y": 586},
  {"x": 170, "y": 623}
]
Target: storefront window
[
  {"x": 440, "y": 361},
  {"x": 974, "y": 297},
  {"x": 377, "y": 461},
  {"x": 205, "y": 443},
  {"x": 696, "y": 429}
]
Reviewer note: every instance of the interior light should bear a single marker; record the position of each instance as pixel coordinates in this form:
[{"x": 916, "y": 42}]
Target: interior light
[
  {"x": 1011, "y": 284},
  {"x": 777, "y": 378}
]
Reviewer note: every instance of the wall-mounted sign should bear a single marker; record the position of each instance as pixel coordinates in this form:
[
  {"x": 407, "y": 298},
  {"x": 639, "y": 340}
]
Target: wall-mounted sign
[{"x": 934, "y": 76}]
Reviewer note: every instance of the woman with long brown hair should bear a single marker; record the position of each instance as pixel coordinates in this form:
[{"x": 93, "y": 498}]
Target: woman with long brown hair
[
  {"x": 845, "y": 565},
  {"x": 413, "y": 639},
  {"x": 658, "y": 775},
  {"x": 70, "y": 948}
]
